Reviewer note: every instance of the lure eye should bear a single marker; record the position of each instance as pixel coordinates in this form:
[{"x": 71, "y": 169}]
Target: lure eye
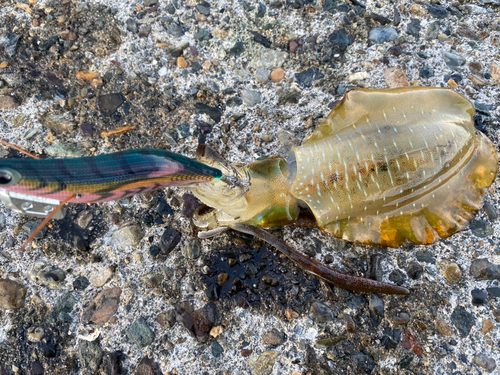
[{"x": 5, "y": 177}]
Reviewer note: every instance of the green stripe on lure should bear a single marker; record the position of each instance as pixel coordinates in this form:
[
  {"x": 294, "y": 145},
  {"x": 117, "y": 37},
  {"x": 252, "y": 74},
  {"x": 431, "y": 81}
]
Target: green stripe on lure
[{"x": 102, "y": 178}]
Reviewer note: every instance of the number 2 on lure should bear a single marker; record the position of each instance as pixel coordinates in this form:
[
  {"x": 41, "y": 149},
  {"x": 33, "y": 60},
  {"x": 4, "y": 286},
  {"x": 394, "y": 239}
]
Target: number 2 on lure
[{"x": 388, "y": 167}]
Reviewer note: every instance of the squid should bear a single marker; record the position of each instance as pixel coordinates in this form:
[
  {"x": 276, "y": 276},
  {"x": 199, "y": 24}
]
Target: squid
[{"x": 388, "y": 167}]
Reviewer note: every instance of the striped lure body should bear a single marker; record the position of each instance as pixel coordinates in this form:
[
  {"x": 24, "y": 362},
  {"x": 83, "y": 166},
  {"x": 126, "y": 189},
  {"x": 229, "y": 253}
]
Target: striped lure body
[
  {"x": 388, "y": 167},
  {"x": 104, "y": 177}
]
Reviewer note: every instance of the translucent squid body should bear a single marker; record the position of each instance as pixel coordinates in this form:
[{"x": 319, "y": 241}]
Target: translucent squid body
[{"x": 387, "y": 168}]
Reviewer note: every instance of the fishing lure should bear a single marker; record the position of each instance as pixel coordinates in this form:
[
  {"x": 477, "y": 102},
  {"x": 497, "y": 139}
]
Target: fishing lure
[{"x": 388, "y": 167}]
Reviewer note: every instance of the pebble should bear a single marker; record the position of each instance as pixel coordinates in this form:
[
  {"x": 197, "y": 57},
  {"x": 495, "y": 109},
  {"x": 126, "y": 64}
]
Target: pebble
[
  {"x": 395, "y": 78},
  {"x": 12, "y": 294},
  {"x": 9, "y": 42},
  {"x": 481, "y": 228},
  {"x": 487, "y": 326},
  {"x": 63, "y": 307},
  {"x": 483, "y": 269},
  {"x": 341, "y": 39},
  {"x": 437, "y": 11},
  {"x": 103, "y": 307},
  {"x": 414, "y": 28},
  {"x": 307, "y": 77},
  {"x": 261, "y": 75},
  {"x": 417, "y": 9},
  {"x": 358, "y": 77},
  {"x": 414, "y": 270},
  {"x": 86, "y": 130},
  {"x": 426, "y": 72},
  {"x": 495, "y": 71},
  {"x": 90, "y": 354},
  {"x": 277, "y": 75},
  {"x": 212, "y": 112},
  {"x": 144, "y": 31},
  {"x": 488, "y": 208},
  {"x": 287, "y": 96},
  {"x": 37, "y": 368},
  {"x": 109, "y": 103},
  {"x": 167, "y": 318},
  {"x": 426, "y": 256},
  {"x": 146, "y": 366},
  {"x": 397, "y": 277},
  {"x": 329, "y": 342},
  {"x": 485, "y": 362},
  {"x": 81, "y": 283},
  {"x": 453, "y": 60},
  {"x": 264, "y": 363},
  {"x": 59, "y": 124},
  {"x": 478, "y": 81},
  {"x": 376, "y": 305},
  {"x": 200, "y": 321},
  {"x": 478, "y": 297},
  {"x": 168, "y": 241},
  {"x": 45, "y": 274},
  {"x": 363, "y": 364},
  {"x": 493, "y": 291},
  {"x": 181, "y": 62},
  {"x": 401, "y": 318},
  {"x": 321, "y": 313},
  {"x": 451, "y": 271},
  {"x": 132, "y": 25},
  {"x": 251, "y": 98},
  {"x": 129, "y": 236},
  {"x": 101, "y": 276},
  {"x": 35, "y": 335},
  {"x": 8, "y": 102},
  {"x": 152, "y": 279},
  {"x": 64, "y": 150},
  {"x": 463, "y": 320},
  {"x": 217, "y": 349},
  {"x": 443, "y": 328},
  {"x": 274, "y": 337},
  {"x": 381, "y": 35},
  {"x": 140, "y": 333}
]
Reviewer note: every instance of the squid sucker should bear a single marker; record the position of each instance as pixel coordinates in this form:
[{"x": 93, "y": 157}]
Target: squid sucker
[{"x": 389, "y": 167}]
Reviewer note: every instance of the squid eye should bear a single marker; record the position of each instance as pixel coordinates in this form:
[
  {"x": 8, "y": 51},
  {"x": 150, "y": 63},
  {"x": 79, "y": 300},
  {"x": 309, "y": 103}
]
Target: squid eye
[{"x": 5, "y": 177}]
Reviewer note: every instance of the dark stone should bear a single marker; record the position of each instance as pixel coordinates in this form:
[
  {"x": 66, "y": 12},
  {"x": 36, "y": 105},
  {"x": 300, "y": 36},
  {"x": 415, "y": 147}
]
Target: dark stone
[
  {"x": 237, "y": 49},
  {"x": 414, "y": 28},
  {"x": 202, "y": 34},
  {"x": 90, "y": 353},
  {"x": 261, "y": 11},
  {"x": 140, "y": 333},
  {"x": 175, "y": 29},
  {"x": 376, "y": 305},
  {"x": 341, "y": 39},
  {"x": 144, "y": 31},
  {"x": 103, "y": 307},
  {"x": 426, "y": 72},
  {"x": 397, "y": 277},
  {"x": 483, "y": 108},
  {"x": 260, "y": 39},
  {"x": 485, "y": 362},
  {"x": 9, "y": 42},
  {"x": 86, "y": 130},
  {"x": 463, "y": 320},
  {"x": 453, "y": 60},
  {"x": 493, "y": 291},
  {"x": 189, "y": 205},
  {"x": 247, "y": 6},
  {"x": 379, "y": 18},
  {"x": 437, "y": 11},
  {"x": 112, "y": 363},
  {"x": 199, "y": 322},
  {"x": 164, "y": 208},
  {"x": 362, "y": 363},
  {"x": 60, "y": 312},
  {"x": 132, "y": 26},
  {"x": 321, "y": 313},
  {"x": 479, "y": 297},
  {"x": 306, "y": 78},
  {"x": 426, "y": 256},
  {"x": 212, "y": 112},
  {"x": 483, "y": 269},
  {"x": 167, "y": 318},
  {"x": 48, "y": 350},
  {"x": 109, "y": 103},
  {"x": 204, "y": 8},
  {"x": 147, "y": 366},
  {"x": 36, "y": 368},
  {"x": 405, "y": 362},
  {"x": 396, "y": 51},
  {"x": 48, "y": 43},
  {"x": 422, "y": 55},
  {"x": 217, "y": 349},
  {"x": 381, "y": 35},
  {"x": 169, "y": 240},
  {"x": 154, "y": 250},
  {"x": 274, "y": 337},
  {"x": 184, "y": 130},
  {"x": 414, "y": 270},
  {"x": 287, "y": 96},
  {"x": 481, "y": 228},
  {"x": 81, "y": 283},
  {"x": 456, "y": 77}
]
